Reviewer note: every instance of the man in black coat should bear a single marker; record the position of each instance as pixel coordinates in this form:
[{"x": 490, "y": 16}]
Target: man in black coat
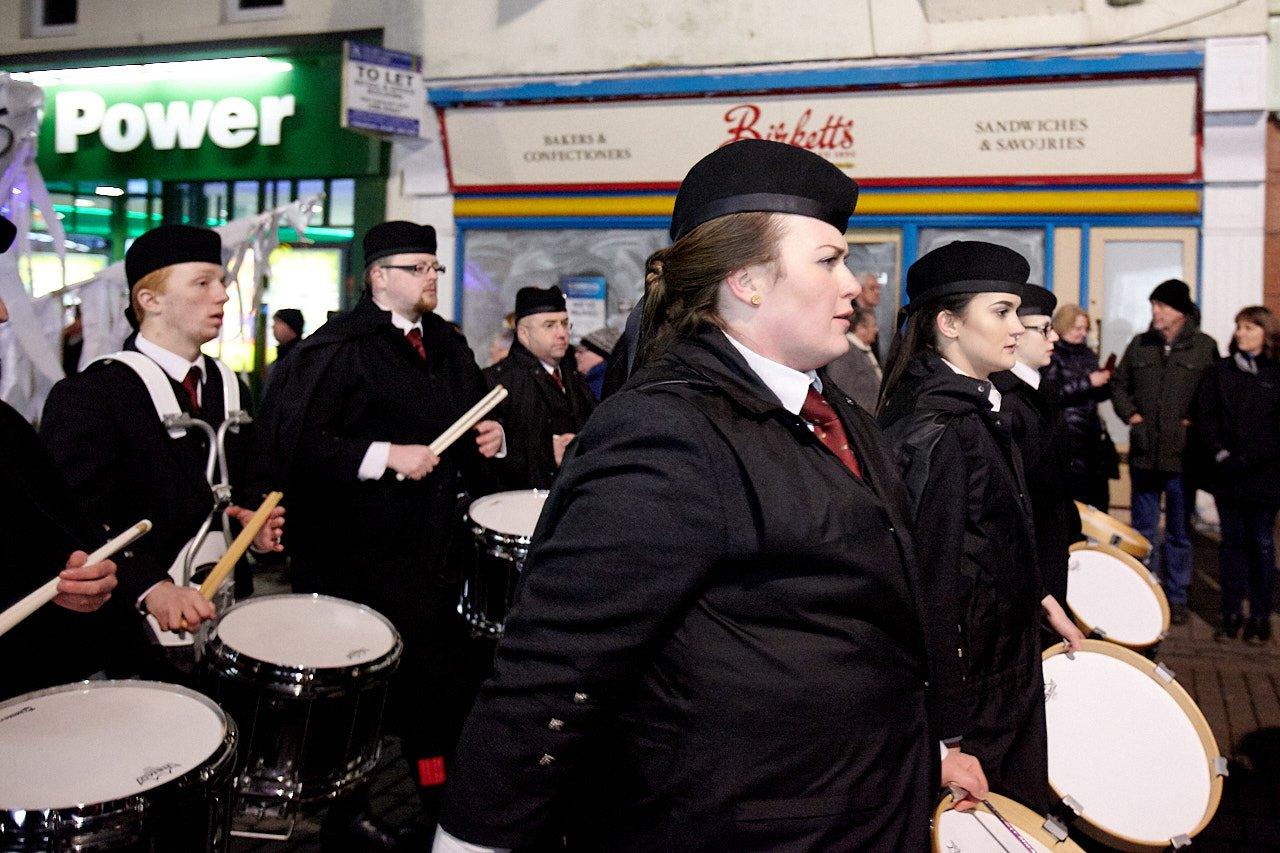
[
  {"x": 1040, "y": 430},
  {"x": 547, "y": 401},
  {"x": 105, "y": 432},
  {"x": 45, "y": 533},
  {"x": 374, "y": 513}
]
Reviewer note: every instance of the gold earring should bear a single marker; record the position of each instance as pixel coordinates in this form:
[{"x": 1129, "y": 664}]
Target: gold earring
[{"x": 755, "y": 299}]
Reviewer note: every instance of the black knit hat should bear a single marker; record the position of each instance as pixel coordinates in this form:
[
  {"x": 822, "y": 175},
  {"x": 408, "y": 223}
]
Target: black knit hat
[
  {"x": 538, "y": 300},
  {"x": 292, "y": 318},
  {"x": 966, "y": 266},
  {"x": 8, "y": 231},
  {"x": 755, "y": 175},
  {"x": 398, "y": 238},
  {"x": 1036, "y": 301},
  {"x": 168, "y": 245},
  {"x": 1175, "y": 293},
  {"x": 602, "y": 341}
]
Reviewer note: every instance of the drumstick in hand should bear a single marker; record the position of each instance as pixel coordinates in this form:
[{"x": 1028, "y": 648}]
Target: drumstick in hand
[
  {"x": 472, "y": 417},
  {"x": 46, "y": 593},
  {"x": 241, "y": 544}
]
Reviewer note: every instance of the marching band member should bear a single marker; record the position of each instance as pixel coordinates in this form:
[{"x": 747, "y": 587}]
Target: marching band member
[
  {"x": 718, "y": 635},
  {"x": 104, "y": 429},
  {"x": 374, "y": 512},
  {"x": 974, "y": 534},
  {"x": 45, "y": 533}
]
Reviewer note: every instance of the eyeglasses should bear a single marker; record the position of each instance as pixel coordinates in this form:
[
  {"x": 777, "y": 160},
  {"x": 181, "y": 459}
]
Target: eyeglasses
[
  {"x": 1043, "y": 330},
  {"x": 419, "y": 270}
]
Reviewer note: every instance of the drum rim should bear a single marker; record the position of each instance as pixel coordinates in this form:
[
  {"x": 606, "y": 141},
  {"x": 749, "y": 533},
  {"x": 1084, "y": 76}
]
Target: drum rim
[
  {"x": 1143, "y": 572},
  {"x": 511, "y": 540},
  {"x": 1017, "y": 814},
  {"x": 1127, "y": 533},
  {"x": 51, "y": 820},
  {"x": 299, "y": 680},
  {"x": 1184, "y": 701}
]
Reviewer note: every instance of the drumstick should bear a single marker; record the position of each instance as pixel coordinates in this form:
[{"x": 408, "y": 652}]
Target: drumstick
[
  {"x": 958, "y": 793},
  {"x": 47, "y": 592},
  {"x": 460, "y": 427}
]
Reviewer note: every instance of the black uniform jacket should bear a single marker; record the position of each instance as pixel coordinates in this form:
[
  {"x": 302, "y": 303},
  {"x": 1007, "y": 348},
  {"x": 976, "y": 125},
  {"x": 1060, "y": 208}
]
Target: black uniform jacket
[
  {"x": 535, "y": 410},
  {"x": 1041, "y": 434},
  {"x": 1238, "y": 411},
  {"x": 977, "y": 553},
  {"x": 41, "y": 525},
  {"x": 716, "y": 636},
  {"x": 104, "y": 433}
]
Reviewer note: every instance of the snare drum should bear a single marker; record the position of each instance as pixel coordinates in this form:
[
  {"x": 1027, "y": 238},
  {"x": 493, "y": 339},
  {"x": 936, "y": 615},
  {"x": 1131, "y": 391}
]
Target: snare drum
[
  {"x": 1116, "y": 597},
  {"x": 503, "y": 525},
  {"x": 1129, "y": 751},
  {"x": 306, "y": 677},
  {"x": 111, "y": 764},
  {"x": 1098, "y": 526},
  {"x": 980, "y": 831}
]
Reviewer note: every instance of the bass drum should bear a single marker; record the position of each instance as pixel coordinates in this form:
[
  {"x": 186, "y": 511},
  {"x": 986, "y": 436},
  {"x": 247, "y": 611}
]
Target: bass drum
[
  {"x": 1129, "y": 751},
  {"x": 982, "y": 831},
  {"x": 1115, "y": 597},
  {"x": 115, "y": 765}
]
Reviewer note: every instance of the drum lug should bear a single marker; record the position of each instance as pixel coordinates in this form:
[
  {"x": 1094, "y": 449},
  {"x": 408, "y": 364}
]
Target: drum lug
[
  {"x": 1074, "y": 805},
  {"x": 1220, "y": 766},
  {"x": 1163, "y": 674},
  {"x": 1180, "y": 841},
  {"x": 1099, "y": 633},
  {"x": 1054, "y": 827}
]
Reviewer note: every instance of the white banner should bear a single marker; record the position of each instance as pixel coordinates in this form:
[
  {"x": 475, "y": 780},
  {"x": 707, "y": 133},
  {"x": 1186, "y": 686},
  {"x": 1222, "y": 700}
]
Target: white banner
[{"x": 1136, "y": 129}]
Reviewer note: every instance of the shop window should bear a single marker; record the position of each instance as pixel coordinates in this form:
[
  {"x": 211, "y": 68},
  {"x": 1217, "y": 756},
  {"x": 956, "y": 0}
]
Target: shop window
[
  {"x": 234, "y": 11},
  {"x": 50, "y": 18},
  {"x": 342, "y": 203},
  {"x": 245, "y": 200},
  {"x": 215, "y": 203},
  {"x": 1028, "y": 242},
  {"x": 498, "y": 263}
]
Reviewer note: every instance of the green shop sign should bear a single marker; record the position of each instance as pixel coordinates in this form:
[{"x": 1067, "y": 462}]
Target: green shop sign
[{"x": 218, "y": 119}]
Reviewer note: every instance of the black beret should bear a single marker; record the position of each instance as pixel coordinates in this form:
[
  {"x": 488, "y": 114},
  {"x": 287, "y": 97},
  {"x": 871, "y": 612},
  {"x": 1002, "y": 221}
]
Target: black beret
[
  {"x": 168, "y": 245},
  {"x": 966, "y": 266},
  {"x": 538, "y": 300},
  {"x": 292, "y": 318},
  {"x": 1036, "y": 300},
  {"x": 1175, "y": 293},
  {"x": 756, "y": 175},
  {"x": 7, "y": 232},
  {"x": 398, "y": 238}
]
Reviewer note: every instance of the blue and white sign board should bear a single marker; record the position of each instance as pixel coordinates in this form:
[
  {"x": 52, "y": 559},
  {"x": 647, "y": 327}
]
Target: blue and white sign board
[
  {"x": 584, "y": 296},
  {"x": 383, "y": 91}
]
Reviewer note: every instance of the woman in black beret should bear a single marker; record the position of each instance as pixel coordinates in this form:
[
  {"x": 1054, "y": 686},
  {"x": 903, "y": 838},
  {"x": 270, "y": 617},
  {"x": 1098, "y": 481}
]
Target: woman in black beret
[
  {"x": 974, "y": 534},
  {"x": 717, "y": 643}
]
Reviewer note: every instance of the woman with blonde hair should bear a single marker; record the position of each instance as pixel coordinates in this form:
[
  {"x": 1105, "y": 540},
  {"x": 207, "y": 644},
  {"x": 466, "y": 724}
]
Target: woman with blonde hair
[{"x": 1081, "y": 385}]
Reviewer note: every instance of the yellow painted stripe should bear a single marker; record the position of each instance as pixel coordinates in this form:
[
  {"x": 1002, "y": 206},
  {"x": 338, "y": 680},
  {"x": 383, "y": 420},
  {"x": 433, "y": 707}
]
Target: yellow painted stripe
[{"x": 876, "y": 203}]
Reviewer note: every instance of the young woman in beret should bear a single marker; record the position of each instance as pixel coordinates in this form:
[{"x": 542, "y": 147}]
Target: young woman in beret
[
  {"x": 718, "y": 640},
  {"x": 975, "y": 538}
]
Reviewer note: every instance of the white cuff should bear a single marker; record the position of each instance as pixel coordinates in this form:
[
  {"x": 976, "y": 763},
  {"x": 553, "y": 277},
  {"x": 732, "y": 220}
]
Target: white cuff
[
  {"x": 446, "y": 843},
  {"x": 502, "y": 451},
  {"x": 374, "y": 464}
]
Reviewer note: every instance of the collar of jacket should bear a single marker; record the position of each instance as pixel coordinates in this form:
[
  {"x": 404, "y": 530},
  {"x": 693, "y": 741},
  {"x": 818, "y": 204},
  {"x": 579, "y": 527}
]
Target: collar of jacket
[
  {"x": 520, "y": 354},
  {"x": 1181, "y": 341},
  {"x": 928, "y": 383},
  {"x": 708, "y": 353}
]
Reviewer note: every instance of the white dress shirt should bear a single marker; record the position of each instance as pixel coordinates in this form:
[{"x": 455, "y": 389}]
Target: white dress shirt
[
  {"x": 992, "y": 394},
  {"x": 175, "y": 366},
  {"x": 1027, "y": 374}
]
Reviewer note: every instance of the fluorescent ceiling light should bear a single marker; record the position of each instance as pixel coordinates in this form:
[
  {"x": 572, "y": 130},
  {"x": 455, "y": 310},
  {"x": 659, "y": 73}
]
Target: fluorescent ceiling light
[
  {"x": 109, "y": 191},
  {"x": 205, "y": 70}
]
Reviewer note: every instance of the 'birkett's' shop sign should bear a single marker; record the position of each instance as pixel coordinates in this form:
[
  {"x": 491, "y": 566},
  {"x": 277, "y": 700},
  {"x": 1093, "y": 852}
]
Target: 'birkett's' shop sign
[{"x": 1113, "y": 130}]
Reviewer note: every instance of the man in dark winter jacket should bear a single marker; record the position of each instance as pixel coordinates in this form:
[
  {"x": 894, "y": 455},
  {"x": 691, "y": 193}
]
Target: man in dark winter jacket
[
  {"x": 548, "y": 402},
  {"x": 1152, "y": 390}
]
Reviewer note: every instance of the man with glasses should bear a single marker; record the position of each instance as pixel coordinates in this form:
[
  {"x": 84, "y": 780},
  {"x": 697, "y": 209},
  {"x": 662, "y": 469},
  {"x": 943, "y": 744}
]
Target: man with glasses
[
  {"x": 548, "y": 402},
  {"x": 348, "y": 422},
  {"x": 1041, "y": 434}
]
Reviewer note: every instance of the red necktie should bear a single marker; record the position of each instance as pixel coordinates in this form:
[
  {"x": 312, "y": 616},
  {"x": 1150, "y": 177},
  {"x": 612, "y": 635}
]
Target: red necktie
[
  {"x": 191, "y": 384},
  {"x": 827, "y": 427},
  {"x": 414, "y": 337},
  {"x": 555, "y": 374}
]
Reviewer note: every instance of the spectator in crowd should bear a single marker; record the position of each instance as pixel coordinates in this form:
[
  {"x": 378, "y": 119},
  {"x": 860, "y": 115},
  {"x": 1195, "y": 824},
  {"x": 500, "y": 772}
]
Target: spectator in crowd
[
  {"x": 501, "y": 343},
  {"x": 287, "y": 325},
  {"x": 592, "y": 355},
  {"x": 857, "y": 373},
  {"x": 869, "y": 299},
  {"x": 1152, "y": 390},
  {"x": 1236, "y": 434},
  {"x": 1082, "y": 385}
]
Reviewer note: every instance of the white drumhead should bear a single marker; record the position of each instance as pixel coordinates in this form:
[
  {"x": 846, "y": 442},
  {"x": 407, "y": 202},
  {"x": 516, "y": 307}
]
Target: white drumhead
[
  {"x": 99, "y": 741},
  {"x": 978, "y": 831},
  {"x": 1124, "y": 749},
  {"x": 1108, "y": 594},
  {"x": 509, "y": 513},
  {"x": 306, "y": 631}
]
